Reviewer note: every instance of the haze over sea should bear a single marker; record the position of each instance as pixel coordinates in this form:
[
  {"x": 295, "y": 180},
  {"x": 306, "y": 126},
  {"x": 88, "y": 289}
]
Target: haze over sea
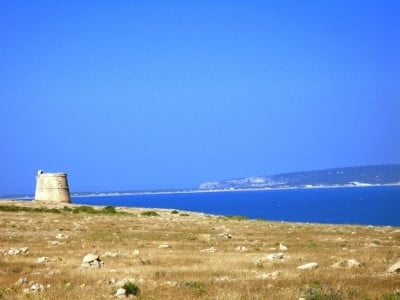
[{"x": 377, "y": 205}]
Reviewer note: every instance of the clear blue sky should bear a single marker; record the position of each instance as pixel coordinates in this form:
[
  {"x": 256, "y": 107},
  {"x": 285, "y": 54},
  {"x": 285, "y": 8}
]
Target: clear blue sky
[{"x": 126, "y": 95}]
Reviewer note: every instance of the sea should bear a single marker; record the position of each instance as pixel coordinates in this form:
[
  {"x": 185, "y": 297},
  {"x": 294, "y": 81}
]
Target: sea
[{"x": 377, "y": 205}]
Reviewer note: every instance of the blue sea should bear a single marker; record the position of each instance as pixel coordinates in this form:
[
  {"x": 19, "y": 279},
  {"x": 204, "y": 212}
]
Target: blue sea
[{"x": 354, "y": 205}]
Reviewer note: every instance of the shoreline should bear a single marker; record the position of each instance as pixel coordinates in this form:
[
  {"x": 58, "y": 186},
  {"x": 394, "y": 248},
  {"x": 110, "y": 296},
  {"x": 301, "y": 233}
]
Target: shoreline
[{"x": 114, "y": 194}]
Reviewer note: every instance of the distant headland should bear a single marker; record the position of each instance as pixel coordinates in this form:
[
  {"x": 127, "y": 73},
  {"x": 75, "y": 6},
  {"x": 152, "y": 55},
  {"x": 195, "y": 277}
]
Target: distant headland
[{"x": 376, "y": 175}]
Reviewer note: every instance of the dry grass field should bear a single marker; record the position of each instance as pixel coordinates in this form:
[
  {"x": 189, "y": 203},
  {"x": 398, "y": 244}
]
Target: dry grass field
[{"x": 203, "y": 257}]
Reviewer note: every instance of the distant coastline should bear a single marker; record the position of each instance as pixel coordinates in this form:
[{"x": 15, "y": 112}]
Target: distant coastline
[{"x": 115, "y": 194}]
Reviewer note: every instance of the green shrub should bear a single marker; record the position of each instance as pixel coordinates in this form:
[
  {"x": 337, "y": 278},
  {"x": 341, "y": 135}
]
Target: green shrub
[
  {"x": 174, "y": 212},
  {"x": 109, "y": 210},
  {"x": 184, "y": 215},
  {"x": 84, "y": 209},
  {"x": 237, "y": 218},
  {"x": 195, "y": 286},
  {"x": 131, "y": 289},
  {"x": 317, "y": 291},
  {"x": 392, "y": 296},
  {"x": 150, "y": 213}
]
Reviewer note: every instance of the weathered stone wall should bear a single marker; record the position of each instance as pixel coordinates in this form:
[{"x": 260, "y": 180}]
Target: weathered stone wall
[{"x": 52, "y": 187}]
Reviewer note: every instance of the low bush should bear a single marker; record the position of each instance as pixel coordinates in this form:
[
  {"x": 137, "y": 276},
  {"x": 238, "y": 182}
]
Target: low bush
[
  {"x": 109, "y": 210},
  {"x": 195, "y": 286},
  {"x": 237, "y": 218},
  {"x": 131, "y": 289},
  {"x": 174, "y": 212},
  {"x": 318, "y": 291},
  {"x": 150, "y": 213}
]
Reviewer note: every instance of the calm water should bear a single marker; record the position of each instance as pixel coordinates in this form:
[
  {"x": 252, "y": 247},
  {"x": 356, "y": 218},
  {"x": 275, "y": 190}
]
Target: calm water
[{"x": 363, "y": 205}]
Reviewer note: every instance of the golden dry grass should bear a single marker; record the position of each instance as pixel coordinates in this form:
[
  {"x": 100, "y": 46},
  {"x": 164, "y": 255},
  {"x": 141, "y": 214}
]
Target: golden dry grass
[{"x": 184, "y": 271}]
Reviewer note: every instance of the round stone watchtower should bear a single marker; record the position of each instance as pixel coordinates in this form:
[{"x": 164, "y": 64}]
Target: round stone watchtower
[{"x": 52, "y": 187}]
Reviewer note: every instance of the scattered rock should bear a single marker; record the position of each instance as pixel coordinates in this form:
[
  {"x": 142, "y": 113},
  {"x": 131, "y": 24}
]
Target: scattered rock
[
  {"x": 394, "y": 268},
  {"x": 92, "y": 261},
  {"x": 223, "y": 278},
  {"x": 61, "y": 236},
  {"x": 136, "y": 252},
  {"x": 210, "y": 250},
  {"x": 275, "y": 256},
  {"x": 120, "y": 293},
  {"x": 308, "y": 266},
  {"x": 282, "y": 247},
  {"x": 112, "y": 254},
  {"x": 347, "y": 263},
  {"x": 22, "y": 281},
  {"x": 241, "y": 249},
  {"x": 258, "y": 261},
  {"x": 164, "y": 246},
  {"x": 55, "y": 243},
  {"x": 14, "y": 251},
  {"x": 225, "y": 235},
  {"x": 272, "y": 275},
  {"x": 42, "y": 259},
  {"x": 37, "y": 287}
]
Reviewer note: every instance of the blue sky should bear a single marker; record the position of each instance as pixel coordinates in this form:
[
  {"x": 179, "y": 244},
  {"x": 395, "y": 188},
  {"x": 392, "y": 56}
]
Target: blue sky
[{"x": 126, "y": 95}]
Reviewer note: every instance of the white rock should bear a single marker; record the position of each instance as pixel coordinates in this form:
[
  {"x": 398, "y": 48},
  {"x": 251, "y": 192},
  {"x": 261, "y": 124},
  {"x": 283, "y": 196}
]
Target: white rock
[
  {"x": 308, "y": 266},
  {"x": 282, "y": 247},
  {"x": 37, "y": 287},
  {"x": 223, "y": 278},
  {"x": 394, "y": 268},
  {"x": 347, "y": 263},
  {"x": 14, "y": 251},
  {"x": 136, "y": 252},
  {"x": 112, "y": 254},
  {"x": 241, "y": 249},
  {"x": 275, "y": 256},
  {"x": 120, "y": 293},
  {"x": 164, "y": 246},
  {"x": 24, "y": 250},
  {"x": 89, "y": 258},
  {"x": 61, "y": 236},
  {"x": 92, "y": 261},
  {"x": 226, "y": 235},
  {"x": 272, "y": 275},
  {"x": 42, "y": 259},
  {"x": 210, "y": 250},
  {"x": 22, "y": 281}
]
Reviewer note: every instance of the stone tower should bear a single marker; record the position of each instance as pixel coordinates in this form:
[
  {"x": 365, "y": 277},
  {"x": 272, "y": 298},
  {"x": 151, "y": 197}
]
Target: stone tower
[{"x": 52, "y": 187}]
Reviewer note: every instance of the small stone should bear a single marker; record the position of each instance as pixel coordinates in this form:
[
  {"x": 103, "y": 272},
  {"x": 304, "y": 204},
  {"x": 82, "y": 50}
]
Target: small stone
[
  {"x": 394, "y": 268},
  {"x": 209, "y": 250},
  {"x": 112, "y": 254},
  {"x": 347, "y": 263},
  {"x": 275, "y": 256},
  {"x": 136, "y": 252},
  {"x": 89, "y": 258},
  {"x": 42, "y": 259},
  {"x": 308, "y": 266},
  {"x": 164, "y": 246},
  {"x": 272, "y": 275},
  {"x": 61, "y": 236},
  {"x": 282, "y": 247},
  {"x": 22, "y": 281},
  {"x": 225, "y": 235},
  {"x": 37, "y": 287},
  {"x": 121, "y": 292},
  {"x": 223, "y": 278},
  {"x": 92, "y": 261},
  {"x": 24, "y": 250},
  {"x": 241, "y": 249}
]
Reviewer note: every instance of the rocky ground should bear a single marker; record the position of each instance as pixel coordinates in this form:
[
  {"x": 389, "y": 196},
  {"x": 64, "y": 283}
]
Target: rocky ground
[{"x": 70, "y": 253}]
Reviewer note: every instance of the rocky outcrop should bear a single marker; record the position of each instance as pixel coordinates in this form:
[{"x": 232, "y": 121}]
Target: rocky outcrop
[{"x": 92, "y": 261}]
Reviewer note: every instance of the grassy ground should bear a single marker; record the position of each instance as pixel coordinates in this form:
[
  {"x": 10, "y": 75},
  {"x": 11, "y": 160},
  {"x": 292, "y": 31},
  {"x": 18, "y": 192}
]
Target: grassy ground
[{"x": 189, "y": 269}]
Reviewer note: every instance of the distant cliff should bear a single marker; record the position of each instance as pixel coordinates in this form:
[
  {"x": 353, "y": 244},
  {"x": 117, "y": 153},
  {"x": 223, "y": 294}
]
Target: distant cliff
[{"x": 351, "y": 176}]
